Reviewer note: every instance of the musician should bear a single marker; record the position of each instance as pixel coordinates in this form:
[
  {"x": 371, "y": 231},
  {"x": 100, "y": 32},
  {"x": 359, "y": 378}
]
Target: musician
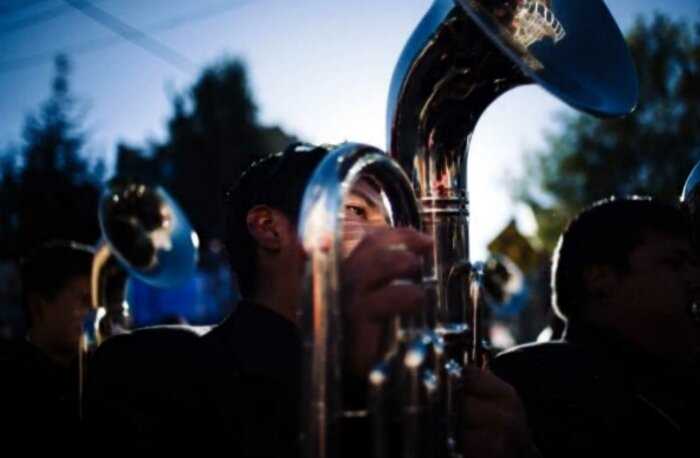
[
  {"x": 39, "y": 383},
  {"x": 258, "y": 346},
  {"x": 237, "y": 388},
  {"x": 623, "y": 381}
]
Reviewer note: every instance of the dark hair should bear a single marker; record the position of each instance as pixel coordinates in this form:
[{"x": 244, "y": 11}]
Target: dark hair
[
  {"x": 50, "y": 267},
  {"x": 605, "y": 234},
  {"x": 277, "y": 180}
]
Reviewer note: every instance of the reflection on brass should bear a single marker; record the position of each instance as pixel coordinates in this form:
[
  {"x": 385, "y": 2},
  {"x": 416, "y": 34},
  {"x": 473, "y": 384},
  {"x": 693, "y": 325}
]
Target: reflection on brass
[
  {"x": 534, "y": 21},
  {"x": 460, "y": 58},
  {"x": 347, "y": 169},
  {"x": 145, "y": 234},
  {"x": 139, "y": 224},
  {"x": 523, "y": 23}
]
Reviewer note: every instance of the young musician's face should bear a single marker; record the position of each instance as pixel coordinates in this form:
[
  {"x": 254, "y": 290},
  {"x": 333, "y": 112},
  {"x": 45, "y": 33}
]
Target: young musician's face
[
  {"x": 63, "y": 317},
  {"x": 364, "y": 212},
  {"x": 650, "y": 301}
]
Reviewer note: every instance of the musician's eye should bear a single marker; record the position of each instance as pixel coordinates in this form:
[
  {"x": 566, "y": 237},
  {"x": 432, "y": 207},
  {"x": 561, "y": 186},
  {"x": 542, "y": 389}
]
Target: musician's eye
[{"x": 356, "y": 211}]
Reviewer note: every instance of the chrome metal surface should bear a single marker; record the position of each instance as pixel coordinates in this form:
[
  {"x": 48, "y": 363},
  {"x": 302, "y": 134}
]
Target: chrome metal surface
[
  {"x": 320, "y": 230},
  {"x": 148, "y": 232},
  {"x": 145, "y": 234},
  {"x": 461, "y": 57}
]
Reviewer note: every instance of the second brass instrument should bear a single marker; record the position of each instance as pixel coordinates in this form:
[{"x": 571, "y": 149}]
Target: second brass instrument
[{"x": 461, "y": 57}]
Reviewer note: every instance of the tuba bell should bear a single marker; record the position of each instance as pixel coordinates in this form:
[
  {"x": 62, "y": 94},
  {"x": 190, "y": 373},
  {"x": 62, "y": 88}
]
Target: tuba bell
[
  {"x": 145, "y": 234},
  {"x": 460, "y": 58}
]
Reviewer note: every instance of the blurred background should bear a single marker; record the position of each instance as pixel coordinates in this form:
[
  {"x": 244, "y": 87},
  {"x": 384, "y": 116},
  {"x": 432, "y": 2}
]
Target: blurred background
[{"x": 185, "y": 94}]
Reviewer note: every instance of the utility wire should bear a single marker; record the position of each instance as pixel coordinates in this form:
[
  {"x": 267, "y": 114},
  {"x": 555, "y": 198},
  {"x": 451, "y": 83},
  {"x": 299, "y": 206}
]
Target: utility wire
[
  {"x": 200, "y": 14},
  {"x": 22, "y": 4},
  {"x": 35, "y": 19},
  {"x": 137, "y": 37},
  {"x": 102, "y": 43}
]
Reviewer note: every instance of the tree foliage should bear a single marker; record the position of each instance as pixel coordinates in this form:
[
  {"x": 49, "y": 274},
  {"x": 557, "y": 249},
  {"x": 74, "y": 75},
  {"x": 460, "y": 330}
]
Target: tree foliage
[
  {"x": 212, "y": 135},
  {"x": 49, "y": 188},
  {"x": 649, "y": 152}
]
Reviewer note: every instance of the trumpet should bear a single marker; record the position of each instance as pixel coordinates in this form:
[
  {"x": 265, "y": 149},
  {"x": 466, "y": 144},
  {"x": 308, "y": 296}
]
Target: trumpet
[{"x": 460, "y": 58}]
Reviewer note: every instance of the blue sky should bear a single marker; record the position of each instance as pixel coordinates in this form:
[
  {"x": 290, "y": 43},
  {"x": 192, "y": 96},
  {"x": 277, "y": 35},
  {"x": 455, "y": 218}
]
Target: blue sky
[{"x": 319, "y": 68}]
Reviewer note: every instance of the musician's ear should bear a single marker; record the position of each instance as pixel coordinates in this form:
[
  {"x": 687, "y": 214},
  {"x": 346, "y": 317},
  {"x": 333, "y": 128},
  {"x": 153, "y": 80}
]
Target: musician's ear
[{"x": 268, "y": 227}]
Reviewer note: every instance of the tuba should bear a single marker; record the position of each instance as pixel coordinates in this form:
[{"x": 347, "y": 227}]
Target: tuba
[
  {"x": 460, "y": 58},
  {"x": 690, "y": 202},
  {"x": 145, "y": 234}
]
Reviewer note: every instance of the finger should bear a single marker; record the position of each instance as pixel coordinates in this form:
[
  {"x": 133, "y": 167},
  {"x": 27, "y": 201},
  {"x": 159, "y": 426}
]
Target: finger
[
  {"x": 404, "y": 237},
  {"x": 369, "y": 314},
  {"x": 486, "y": 413},
  {"x": 494, "y": 433},
  {"x": 375, "y": 266},
  {"x": 484, "y": 384},
  {"x": 385, "y": 255},
  {"x": 392, "y": 300}
]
